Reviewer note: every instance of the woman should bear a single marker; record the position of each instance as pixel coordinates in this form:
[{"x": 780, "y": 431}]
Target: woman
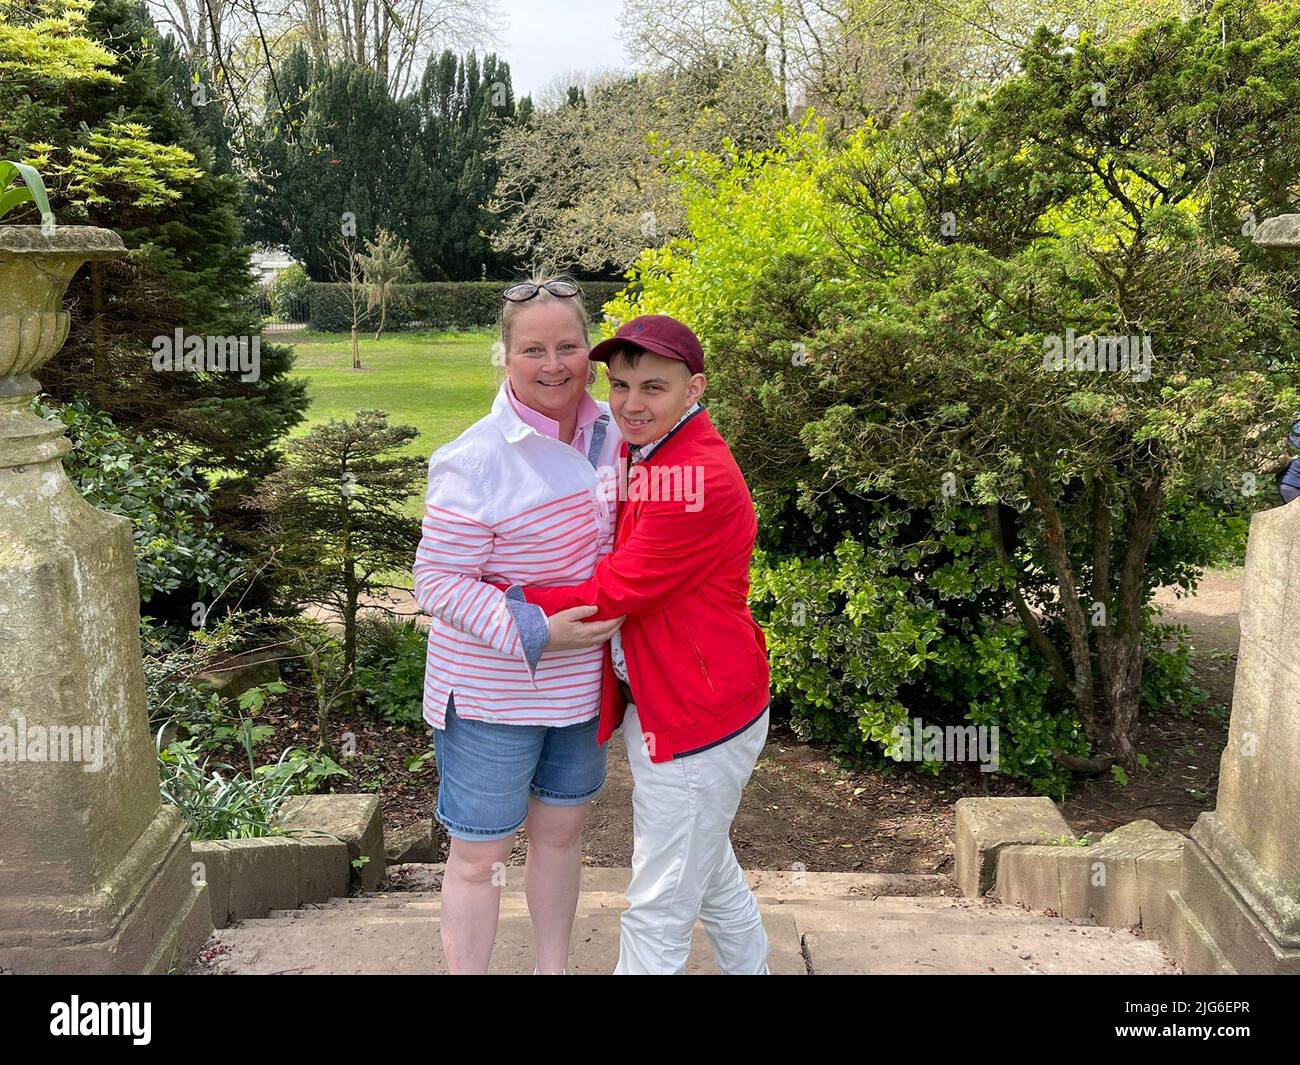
[{"x": 519, "y": 497}]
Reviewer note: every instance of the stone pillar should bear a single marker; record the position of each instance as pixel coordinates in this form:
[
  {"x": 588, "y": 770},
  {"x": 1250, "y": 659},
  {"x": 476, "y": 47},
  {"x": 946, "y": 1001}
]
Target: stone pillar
[
  {"x": 1237, "y": 908},
  {"x": 95, "y": 872}
]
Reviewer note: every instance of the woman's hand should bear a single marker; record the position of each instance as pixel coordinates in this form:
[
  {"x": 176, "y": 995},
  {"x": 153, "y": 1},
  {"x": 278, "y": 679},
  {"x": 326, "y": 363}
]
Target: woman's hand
[{"x": 569, "y": 632}]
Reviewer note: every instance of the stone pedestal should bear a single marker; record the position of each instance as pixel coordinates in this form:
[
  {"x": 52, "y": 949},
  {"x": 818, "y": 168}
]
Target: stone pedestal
[
  {"x": 95, "y": 873},
  {"x": 1237, "y": 908}
]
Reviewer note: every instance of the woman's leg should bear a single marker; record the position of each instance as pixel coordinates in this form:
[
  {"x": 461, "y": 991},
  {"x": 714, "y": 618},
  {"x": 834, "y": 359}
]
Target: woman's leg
[
  {"x": 471, "y": 902},
  {"x": 570, "y": 773},
  {"x": 551, "y": 878},
  {"x": 484, "y": 772}
]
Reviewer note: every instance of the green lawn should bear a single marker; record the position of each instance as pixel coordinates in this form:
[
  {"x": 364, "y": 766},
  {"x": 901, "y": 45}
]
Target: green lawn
[{"x": 441, "y": 383}]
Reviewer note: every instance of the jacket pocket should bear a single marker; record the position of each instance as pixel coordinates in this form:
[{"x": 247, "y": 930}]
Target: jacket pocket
[{"x": 699, "y": 655}]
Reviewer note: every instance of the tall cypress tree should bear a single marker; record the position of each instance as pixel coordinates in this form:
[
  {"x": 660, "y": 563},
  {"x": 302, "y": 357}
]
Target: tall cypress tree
[
  {"x": 341, "y": 145},
  {"x": 418, "y": 166}
]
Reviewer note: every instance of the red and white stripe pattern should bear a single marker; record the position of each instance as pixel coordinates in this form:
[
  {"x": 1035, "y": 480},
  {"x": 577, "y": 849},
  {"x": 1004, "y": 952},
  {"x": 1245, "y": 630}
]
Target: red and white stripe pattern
[
  {"x": 474, "y": 648},
  {"x": 553, "y": 532}
]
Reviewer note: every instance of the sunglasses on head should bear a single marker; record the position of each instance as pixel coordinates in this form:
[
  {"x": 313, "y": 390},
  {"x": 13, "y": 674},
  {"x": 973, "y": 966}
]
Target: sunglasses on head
[{"x": 526, "y": 291}]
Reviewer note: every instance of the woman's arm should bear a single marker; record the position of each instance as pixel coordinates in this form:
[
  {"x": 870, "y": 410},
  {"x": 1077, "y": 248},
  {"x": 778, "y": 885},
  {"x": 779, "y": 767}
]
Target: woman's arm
[
  {"x": 456, "y": 541},
  {"x": 671, "y": 551}
]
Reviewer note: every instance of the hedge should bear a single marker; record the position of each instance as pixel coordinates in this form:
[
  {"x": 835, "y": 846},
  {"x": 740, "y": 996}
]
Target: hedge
[{"x": 433, "y": 304}]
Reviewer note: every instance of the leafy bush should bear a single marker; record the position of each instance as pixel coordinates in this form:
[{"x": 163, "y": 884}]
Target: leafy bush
[
  {"x": 390, "y": 667},
  {"x": 1167, "y": 672},
  {"x": 863, "y": 641},
  {"x": 288, "y": 293},
  {"x": 176, "y": 545}
]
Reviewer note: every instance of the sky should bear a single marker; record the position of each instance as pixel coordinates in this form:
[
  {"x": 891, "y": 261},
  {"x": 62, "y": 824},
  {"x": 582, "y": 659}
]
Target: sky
[{"x": 544, "y": 38}]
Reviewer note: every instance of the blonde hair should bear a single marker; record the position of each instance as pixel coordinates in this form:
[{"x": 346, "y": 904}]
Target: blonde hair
[{"x": 511, "y": 310}]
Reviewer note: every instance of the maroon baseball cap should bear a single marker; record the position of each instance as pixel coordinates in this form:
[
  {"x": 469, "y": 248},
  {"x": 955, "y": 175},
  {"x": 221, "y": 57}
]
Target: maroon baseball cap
[{"x": 658, "y": 333}]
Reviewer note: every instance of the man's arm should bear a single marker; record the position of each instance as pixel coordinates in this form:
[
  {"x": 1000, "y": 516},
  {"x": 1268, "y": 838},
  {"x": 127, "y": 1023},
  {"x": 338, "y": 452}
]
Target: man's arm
[{"x": 671, "y": 551}]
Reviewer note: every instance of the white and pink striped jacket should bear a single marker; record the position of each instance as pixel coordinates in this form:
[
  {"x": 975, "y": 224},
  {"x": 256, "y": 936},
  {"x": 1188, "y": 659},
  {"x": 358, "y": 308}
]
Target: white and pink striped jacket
[{"x": 508, "y": 503}]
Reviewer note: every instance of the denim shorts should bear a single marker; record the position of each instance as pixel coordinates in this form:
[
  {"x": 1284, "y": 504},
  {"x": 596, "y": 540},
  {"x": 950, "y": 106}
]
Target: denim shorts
[{"x": 487, "y": 770}]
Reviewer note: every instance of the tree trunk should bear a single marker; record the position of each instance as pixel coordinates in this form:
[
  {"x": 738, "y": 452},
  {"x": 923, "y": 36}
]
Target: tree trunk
[
  {"x": 356, "y": 349},
  {"x": 349, "y": 640},
  {"x": 1121, "y": 656},
  {"x": 1121, "y": 692},
  {"x": 1075, "y": 621}
]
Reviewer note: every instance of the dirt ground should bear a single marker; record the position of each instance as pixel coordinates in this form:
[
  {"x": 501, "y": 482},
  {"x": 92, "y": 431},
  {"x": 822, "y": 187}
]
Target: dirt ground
[{"x": 800, "y": 807}]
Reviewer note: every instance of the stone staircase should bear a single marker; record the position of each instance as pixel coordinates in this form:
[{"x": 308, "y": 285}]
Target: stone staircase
[{"x": 817, "y": 923}]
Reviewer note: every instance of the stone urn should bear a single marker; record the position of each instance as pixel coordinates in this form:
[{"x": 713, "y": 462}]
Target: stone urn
[{"x": 95, "y": 872}]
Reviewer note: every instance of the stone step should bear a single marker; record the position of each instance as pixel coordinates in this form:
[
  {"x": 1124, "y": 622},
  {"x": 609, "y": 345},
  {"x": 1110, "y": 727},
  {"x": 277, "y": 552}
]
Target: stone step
[
  {"x": 890, "y": 922},
  {"x": 933, "y": 909},
  {"x": 402, "y": 944},
  {"x": 424, "y": 879},
  {"x": 836, "y": 937},
  {"x": 817, "y": 920},
  {"x": 847, "y": 949}
]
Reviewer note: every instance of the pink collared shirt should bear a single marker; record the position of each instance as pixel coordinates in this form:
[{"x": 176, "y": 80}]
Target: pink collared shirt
[{"x": 588, "y": 412}]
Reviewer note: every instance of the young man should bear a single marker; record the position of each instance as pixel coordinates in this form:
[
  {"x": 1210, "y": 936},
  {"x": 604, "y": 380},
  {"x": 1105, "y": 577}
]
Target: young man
[{"x": 687, "y": 675}]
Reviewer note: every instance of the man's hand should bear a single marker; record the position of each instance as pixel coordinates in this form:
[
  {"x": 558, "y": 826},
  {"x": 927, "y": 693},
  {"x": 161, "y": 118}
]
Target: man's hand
[{"x": 569, "y": 632}]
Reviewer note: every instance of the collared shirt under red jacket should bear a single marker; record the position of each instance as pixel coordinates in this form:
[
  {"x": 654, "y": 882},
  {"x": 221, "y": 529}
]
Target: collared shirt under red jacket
[{"x": 679, "y": 571}]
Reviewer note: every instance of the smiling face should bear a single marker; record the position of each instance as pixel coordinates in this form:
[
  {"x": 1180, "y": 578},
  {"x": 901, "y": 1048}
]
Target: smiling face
[
  {"x": 648, "y": 394},
  {"x": 546, "y": 359}
]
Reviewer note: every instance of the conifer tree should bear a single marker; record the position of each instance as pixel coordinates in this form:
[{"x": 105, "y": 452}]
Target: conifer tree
[{"x": 336, "y": 516}]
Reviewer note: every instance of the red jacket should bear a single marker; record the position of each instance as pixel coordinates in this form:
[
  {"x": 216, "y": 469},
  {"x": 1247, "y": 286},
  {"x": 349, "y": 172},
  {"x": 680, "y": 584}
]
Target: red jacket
[{"x": 696, "y": 658}]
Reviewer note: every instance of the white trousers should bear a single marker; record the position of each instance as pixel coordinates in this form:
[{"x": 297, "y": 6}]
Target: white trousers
[{"x": 683, "y": 866}]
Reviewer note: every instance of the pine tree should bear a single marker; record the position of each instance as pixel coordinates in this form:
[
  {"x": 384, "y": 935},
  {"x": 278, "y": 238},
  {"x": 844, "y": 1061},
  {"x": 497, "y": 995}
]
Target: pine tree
[{"x": 336, "y": 516}]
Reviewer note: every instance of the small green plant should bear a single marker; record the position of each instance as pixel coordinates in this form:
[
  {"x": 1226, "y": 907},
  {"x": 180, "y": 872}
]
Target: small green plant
[
  {"x": 390, "y": 667},
  {"x": 1121, "y": 777},
  {"x": 220, "y": 802},
  {"x": 418, "y": 762},
  {"x": 20, "y": 184}
]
